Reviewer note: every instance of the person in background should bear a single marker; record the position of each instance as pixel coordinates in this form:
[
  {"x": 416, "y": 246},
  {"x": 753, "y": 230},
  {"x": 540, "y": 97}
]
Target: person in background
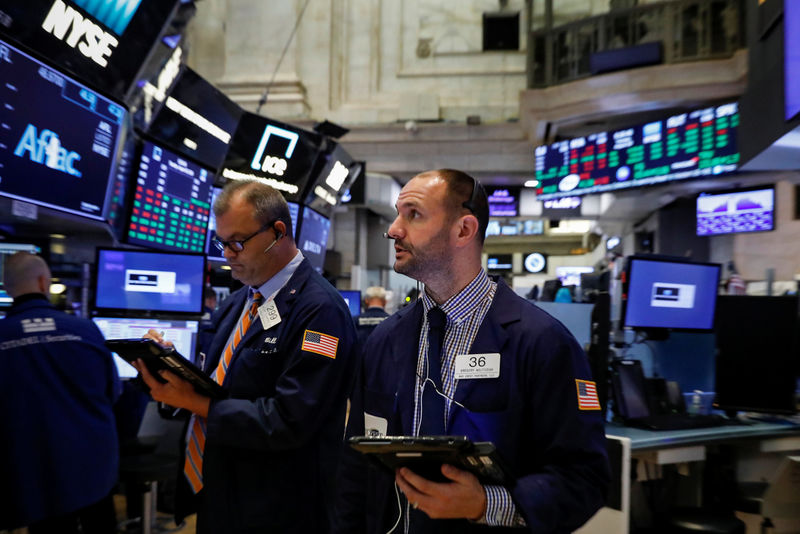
[
  {"x": 264, "y": 458},
  {"x": 59, "y": 455},
  {"x": 735, "y": 284},
  {"x": 205, "y": 330},
  {"x": 209, "y": 302},
  {"x": 534, "y": 398},
  {"x": 374, "y": 312}
]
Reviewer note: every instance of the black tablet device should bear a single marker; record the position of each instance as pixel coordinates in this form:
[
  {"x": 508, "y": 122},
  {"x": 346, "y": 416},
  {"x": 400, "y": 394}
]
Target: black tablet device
[
  {"x": 425, "y": 455},
  {"x": 157, "y": 357}
]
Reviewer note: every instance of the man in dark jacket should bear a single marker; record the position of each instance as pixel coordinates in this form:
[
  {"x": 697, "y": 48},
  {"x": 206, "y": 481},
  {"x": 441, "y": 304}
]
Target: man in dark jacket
[
  {"x": 264, "y": 459},
  {"x": 58, "y": 456},
  {"x": 471, "y": 358},
  {"x": 374, "y": 312}
]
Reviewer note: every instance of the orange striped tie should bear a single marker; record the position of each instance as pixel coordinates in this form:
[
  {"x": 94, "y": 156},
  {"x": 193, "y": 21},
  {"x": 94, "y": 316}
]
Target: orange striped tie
[{"x": 196, "y": 440}]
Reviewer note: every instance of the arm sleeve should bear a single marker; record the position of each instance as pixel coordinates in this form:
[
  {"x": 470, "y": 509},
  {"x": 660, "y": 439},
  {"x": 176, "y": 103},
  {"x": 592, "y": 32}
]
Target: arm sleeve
[
  {"x": 570, "y": 475},
  {"x": 500, "y": 508},
  {"x": 311, "y": 389}
]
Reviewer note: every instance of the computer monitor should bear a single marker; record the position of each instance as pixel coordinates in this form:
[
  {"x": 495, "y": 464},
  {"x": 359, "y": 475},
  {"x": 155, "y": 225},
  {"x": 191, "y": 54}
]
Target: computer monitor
[
  {"x": 137, "y": 280},
  {"x": 669, "y": 294},
  {"x": 736, "y": 211},
  {"x": 353, "y": 299},
  {"x": 757, "y": 353},
  {"x": 313, "y": 238},
  {"x": 182, "y": 333},
  {"x": 630, "y": 389}
]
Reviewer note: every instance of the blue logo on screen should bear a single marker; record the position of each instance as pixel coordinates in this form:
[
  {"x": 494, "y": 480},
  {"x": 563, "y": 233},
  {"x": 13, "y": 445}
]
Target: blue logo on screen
[
  {"x": 45, "y": 149},
  {"x": 115, "y": 14}
]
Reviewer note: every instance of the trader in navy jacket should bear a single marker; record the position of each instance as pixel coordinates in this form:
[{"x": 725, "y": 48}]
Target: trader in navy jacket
[
  {"x": 509, "y": 373},
  {"x": 272, "y": 447},
  {"x": 58, "y": 455}
]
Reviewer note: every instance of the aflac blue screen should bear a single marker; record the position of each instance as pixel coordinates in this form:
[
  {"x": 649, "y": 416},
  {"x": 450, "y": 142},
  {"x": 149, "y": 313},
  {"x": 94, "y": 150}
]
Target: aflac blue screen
[
  {"x": 666, "y": 294},
  {"x": 59, "y": 138},
  {"x": 152, "y": 281}
]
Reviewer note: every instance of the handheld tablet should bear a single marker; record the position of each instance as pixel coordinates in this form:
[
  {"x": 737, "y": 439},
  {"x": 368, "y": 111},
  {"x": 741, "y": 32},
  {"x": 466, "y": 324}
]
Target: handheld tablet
[
  {"x": 425, "y": 455},
  {"x": 157, "y": 357}
]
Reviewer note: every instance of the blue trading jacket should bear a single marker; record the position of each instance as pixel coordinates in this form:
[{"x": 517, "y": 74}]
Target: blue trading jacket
[
  {"x": 273, "y": 447},
  {"x": 554, "y": 450},
  {"x": 58, "y": 382}
]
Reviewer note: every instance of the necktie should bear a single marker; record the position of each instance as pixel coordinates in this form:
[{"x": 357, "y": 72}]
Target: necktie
[
  {"x": 432, "y": 423},
  {"x": 196, "y": 441}
]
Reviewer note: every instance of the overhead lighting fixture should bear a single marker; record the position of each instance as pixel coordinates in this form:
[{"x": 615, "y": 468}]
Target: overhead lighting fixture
[
  {"x": 531, "y": 183},
  {"x": 58, "y": 236},
  {"x": 57, "y": 289}
]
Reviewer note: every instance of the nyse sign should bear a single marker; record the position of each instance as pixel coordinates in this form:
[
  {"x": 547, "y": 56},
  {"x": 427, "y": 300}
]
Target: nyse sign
[{"x": 69, "y": 25}]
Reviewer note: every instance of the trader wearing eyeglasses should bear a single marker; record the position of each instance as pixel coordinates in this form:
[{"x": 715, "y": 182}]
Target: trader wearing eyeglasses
[{"x": 264, "y": 459}]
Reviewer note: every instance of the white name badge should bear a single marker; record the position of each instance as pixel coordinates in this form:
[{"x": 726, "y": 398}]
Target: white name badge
[
  {"x": 477, "y": 366},
  {"x": 374, "y": 425},
  {"x": 268, "y": 313}
]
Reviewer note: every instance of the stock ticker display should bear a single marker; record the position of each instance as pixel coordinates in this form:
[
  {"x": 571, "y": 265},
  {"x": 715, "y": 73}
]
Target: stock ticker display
[
  {"x": 172, "y": 202},
  {"x": 689, "y": 145}
]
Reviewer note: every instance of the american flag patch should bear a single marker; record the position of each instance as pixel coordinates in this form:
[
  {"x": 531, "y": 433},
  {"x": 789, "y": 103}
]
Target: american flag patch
[
  {"x": 587, "y": 395},
  {"x": 320, "y": 343}
]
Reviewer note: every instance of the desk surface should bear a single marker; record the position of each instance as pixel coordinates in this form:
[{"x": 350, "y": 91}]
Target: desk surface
[{"x": 643, "y": 440}]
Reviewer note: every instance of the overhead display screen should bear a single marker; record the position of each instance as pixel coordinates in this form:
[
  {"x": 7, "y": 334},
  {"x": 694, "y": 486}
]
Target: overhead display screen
[
  {"x": 58, "y": 139},
  {"x": 172, "y": 202},
  {"x": 275, "y": 153},
  {"x": 196, "y": 120},
  {"x": 131, "y": 280},
  {"x": 690, "y": 145},
  {"x": 791, "y": 58},
  {"x": 313, "y": 239},
  {"x": 730, "y": 212},
  {"x": 333, "y": 180},
  {"x": 503, "y": 201},
  {"x": 103, "y": 43}
]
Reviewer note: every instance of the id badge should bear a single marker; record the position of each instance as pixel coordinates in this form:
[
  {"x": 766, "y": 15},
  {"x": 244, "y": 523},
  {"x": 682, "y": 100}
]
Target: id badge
[{"x": 475, "y": 366}]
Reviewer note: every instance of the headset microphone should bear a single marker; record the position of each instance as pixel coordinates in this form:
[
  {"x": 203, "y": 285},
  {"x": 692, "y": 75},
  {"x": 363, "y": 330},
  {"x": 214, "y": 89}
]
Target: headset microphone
[
  {"x": 278, "y": 235},
  {"x": 386, "y": 235}
]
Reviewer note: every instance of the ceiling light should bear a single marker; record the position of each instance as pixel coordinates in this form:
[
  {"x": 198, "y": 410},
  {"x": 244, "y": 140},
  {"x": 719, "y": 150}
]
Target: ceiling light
[
  {"x": 531, "y": 183},
  {"x": 57, "y": 289}
]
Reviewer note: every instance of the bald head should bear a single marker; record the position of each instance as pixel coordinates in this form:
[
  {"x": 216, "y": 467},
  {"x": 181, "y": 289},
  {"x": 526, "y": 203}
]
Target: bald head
[{"x": 25, "y": 273}]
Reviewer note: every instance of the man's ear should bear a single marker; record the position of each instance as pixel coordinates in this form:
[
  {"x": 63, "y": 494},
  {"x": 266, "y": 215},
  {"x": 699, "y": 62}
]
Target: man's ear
[{"x": 467, "y": 229}]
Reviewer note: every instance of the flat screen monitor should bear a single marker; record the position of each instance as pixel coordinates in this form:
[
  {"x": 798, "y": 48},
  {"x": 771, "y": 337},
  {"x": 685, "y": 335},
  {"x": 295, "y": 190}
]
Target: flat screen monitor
[
  {"x": 159, "y": 282},
  {"x": 499, "y": 263},
  {"x": 182, "y": 333},
  {"x": 738, "y": 211},
  {"x": 571, "y": 275},
  {"x": 333, "y": 180},
  {"x": 699, "y": 143},
  {"x": 313, "y": 239},
  {"x": 503, "y": 201},
  {"x": 172, "y": 202},
  {"x": 791, "y": 59},
  {"x": 196, "y": 120},
  {"x": 59, "y": 138},
  {"x": 103, "y": 42},
  {"x": 278, "y": 154},
  {"x": 669, "y": 294},
  {"x": 6, "y": 250},
  {"x": 353, "y": 299},
  {"x": 215, "y": 254},
  {"x": 757, "y": 353}
]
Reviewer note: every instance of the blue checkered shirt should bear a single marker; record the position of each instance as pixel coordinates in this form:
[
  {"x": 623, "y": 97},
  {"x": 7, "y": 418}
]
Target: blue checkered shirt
[{"x": 465, "y": 312}]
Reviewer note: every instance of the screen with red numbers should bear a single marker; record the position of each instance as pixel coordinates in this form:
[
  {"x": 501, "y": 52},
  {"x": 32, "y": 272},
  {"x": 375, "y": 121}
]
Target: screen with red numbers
[
  {"x": 171, "y": 203},
  {"x": 699, "y": 143}
]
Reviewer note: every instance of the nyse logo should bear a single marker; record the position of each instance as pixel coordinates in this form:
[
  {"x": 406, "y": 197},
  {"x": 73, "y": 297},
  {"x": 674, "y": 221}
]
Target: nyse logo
[
  {"x": 274, "y": 164},
  {"x": 92, "y": 41},
  {"x": 45, "y": 149}
]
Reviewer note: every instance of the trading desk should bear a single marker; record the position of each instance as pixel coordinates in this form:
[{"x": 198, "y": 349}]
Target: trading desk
[{"x": 762, "y": 446}]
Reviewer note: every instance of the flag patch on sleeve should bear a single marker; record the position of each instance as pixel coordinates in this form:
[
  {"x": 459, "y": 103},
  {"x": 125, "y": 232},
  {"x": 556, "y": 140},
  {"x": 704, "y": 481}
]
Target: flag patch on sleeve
[
  {"x": 587, "y": 395},
  {"x": 320, "y": 343}
]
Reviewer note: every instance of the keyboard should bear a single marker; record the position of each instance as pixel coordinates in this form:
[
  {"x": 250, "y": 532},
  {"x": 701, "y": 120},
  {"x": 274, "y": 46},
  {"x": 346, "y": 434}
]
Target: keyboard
[{"x": 677, "y": 421}]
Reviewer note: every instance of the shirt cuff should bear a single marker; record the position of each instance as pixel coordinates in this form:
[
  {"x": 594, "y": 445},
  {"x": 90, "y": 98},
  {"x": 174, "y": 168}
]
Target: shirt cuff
[{"x": 500, "y": 509}]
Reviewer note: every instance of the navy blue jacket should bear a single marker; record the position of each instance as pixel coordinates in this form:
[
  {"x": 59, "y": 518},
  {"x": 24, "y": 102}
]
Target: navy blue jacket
[
  {"x": 272, "y": 448},
  {"x": 367, "y": 321},
  {"x": 555, "y": 452},
  {"x": 58, "y": 384}
]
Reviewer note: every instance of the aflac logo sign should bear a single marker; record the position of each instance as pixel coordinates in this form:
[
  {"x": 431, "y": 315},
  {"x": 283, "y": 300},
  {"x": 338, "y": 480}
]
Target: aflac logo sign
[
  {"x": 69, "y": 25},
  {"x": 45, "y": 149}
]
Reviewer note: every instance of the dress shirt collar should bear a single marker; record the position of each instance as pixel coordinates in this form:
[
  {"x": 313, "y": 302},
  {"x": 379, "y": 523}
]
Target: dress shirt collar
[
  {"x": 462, "y": 304},
  {"x": 271, "y": 287}
]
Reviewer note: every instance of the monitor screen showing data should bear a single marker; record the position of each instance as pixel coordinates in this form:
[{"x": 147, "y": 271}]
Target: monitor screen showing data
[
  {"x": 751, "y": 210},
  {"x": 791, "y": 58},
  {"x": 503, "y": 201},
  {"x": 172, "y": 202},
  {"x": 58, "y": 139},
  {"x": 352, "y": 297},
  {"x": 183, "y": 334},
  {"x": 129, "y": 280},
  {"x": 700, "y": 143},
  {"x": 313, "y": 240},
  {"x": 670, "y": 294}
]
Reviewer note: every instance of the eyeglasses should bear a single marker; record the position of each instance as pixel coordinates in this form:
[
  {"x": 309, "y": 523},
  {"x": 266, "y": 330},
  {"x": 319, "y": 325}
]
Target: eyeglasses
[{"x": 238, "y": 245}]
